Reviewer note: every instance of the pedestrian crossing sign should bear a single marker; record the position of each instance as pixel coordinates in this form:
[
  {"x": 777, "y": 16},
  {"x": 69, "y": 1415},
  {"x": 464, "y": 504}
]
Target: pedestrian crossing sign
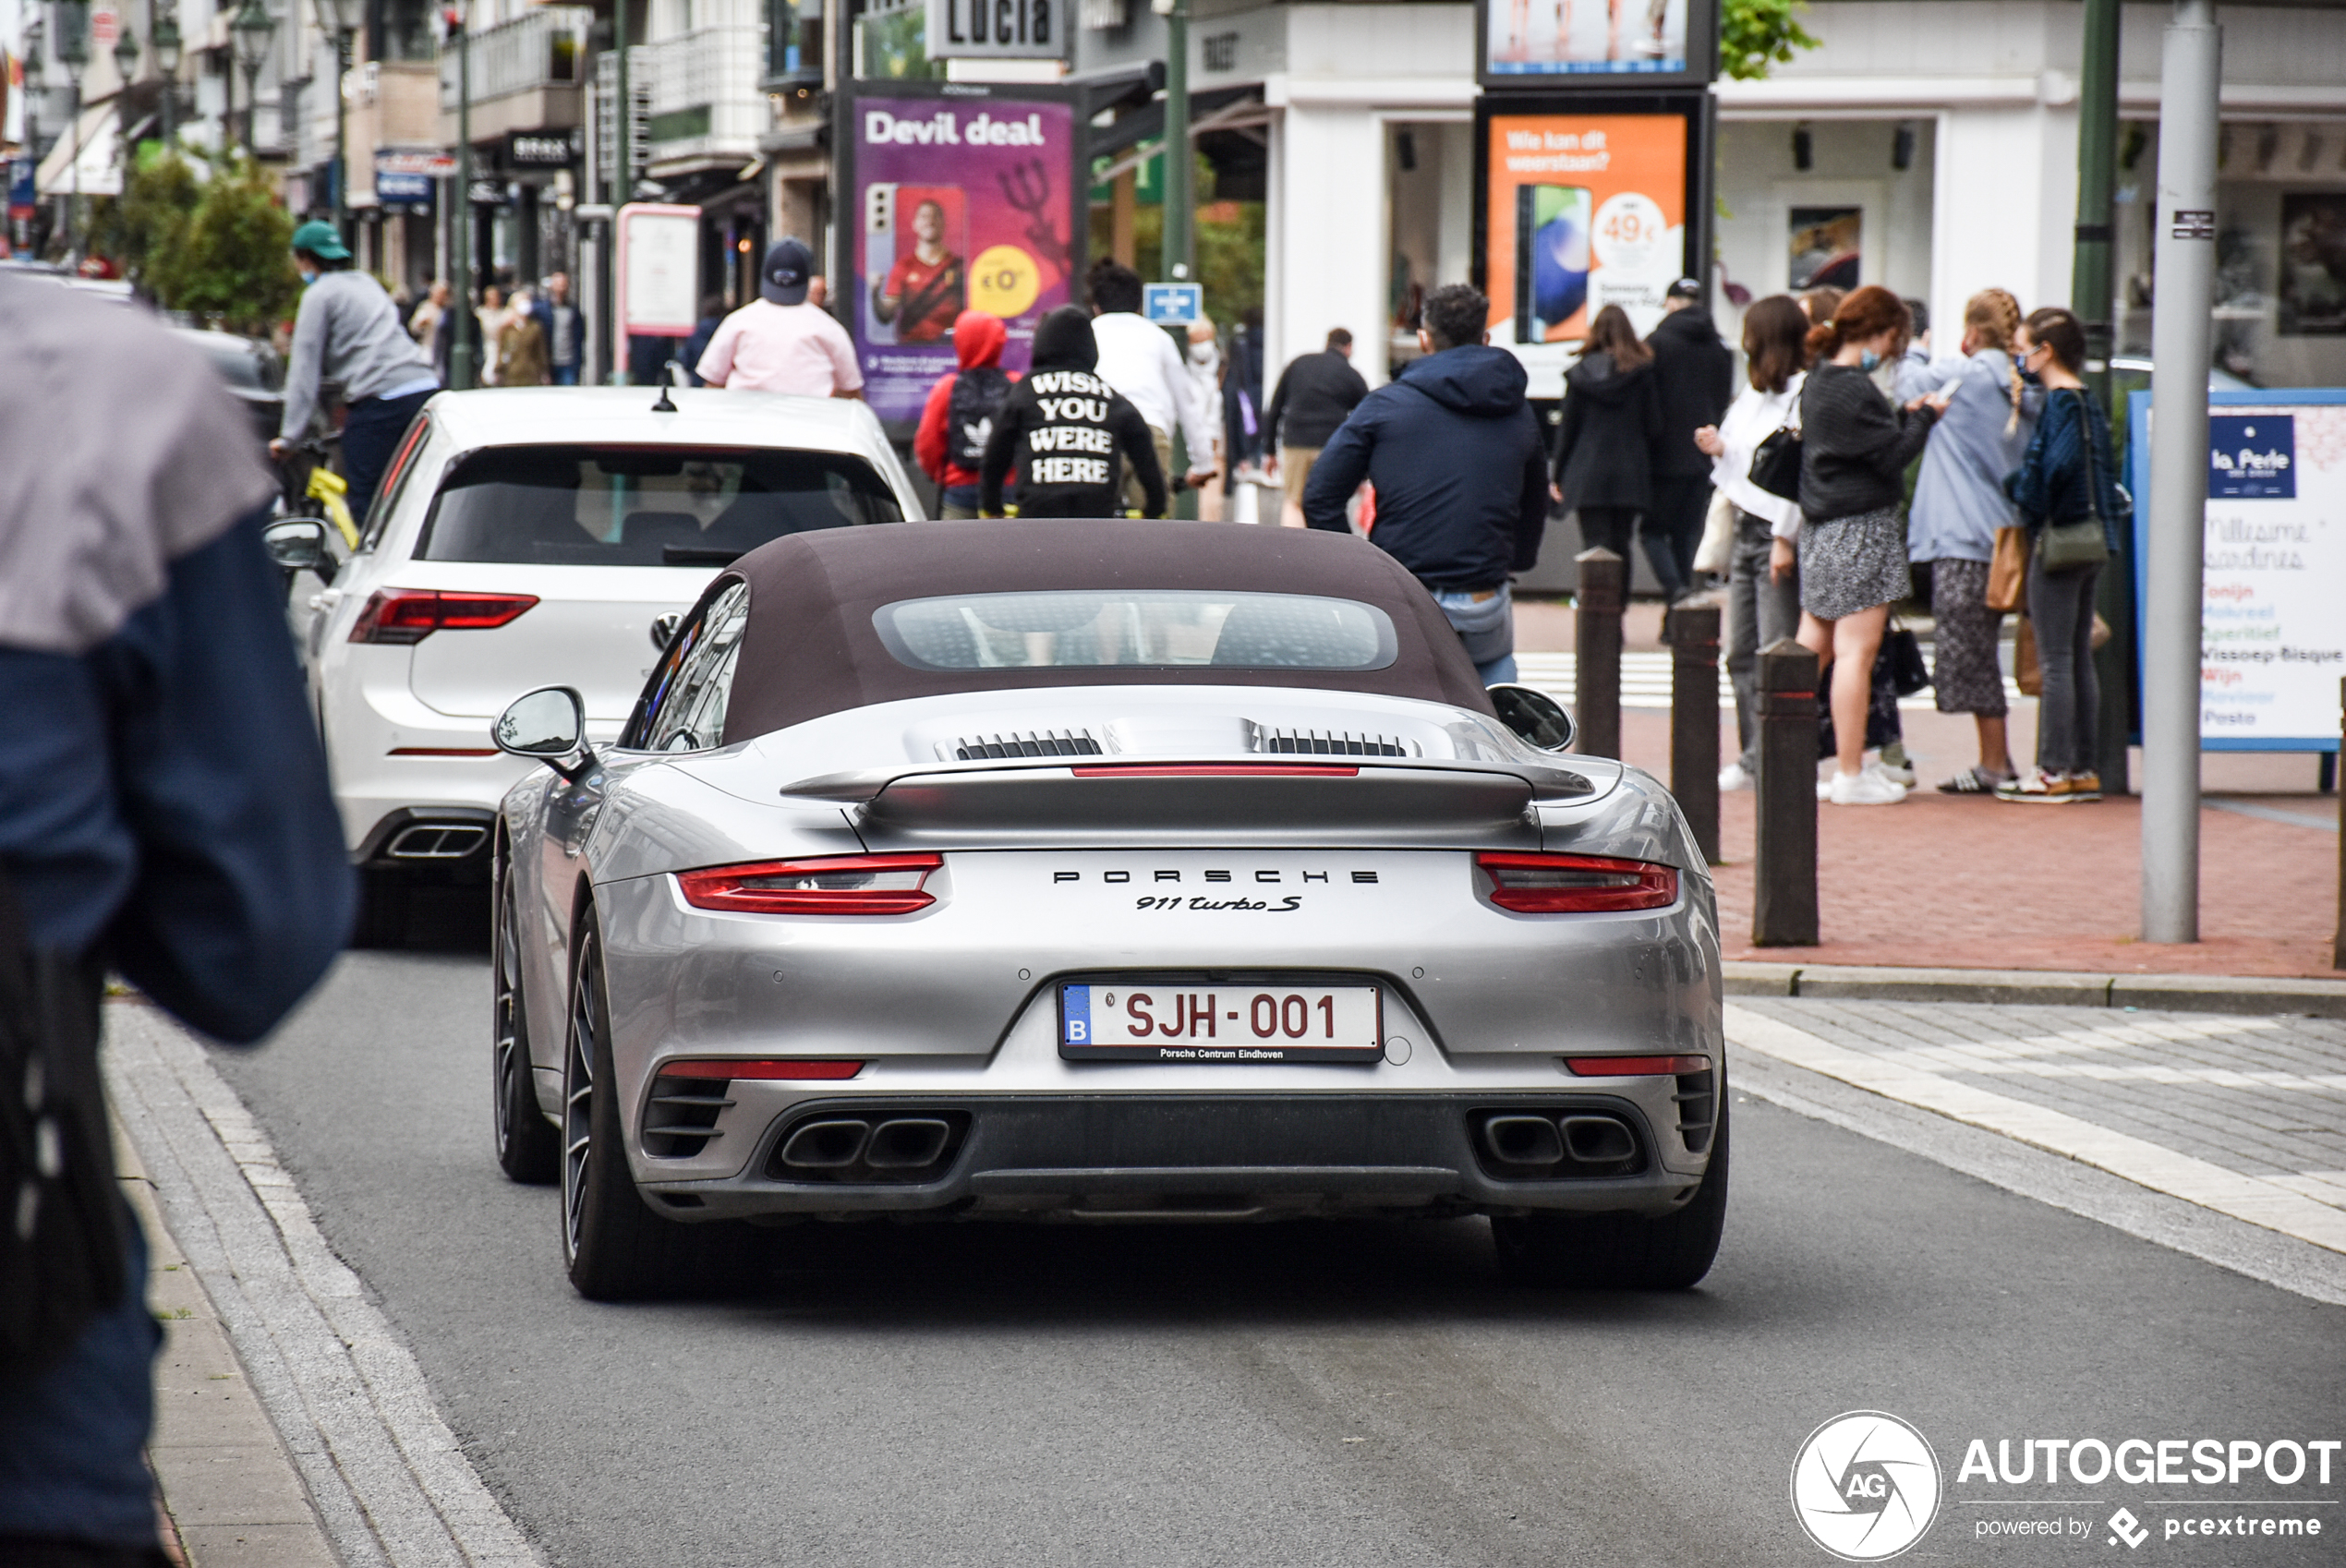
[{"x": 1173, "y": 305}]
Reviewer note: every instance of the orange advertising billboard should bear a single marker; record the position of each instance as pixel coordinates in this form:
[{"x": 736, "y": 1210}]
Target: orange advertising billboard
[{"x": 1580, "y": 210}]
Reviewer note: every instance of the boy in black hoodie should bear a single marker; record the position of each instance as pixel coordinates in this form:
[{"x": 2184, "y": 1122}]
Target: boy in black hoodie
[{"x": 1063, "y": 428}]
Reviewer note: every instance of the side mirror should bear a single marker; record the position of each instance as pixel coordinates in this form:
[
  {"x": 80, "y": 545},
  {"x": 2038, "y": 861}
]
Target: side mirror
[
  {"x": 546, "y": 725},
  {"x": 298, "y": 544},
  {"x": 1537, "y": 719}
]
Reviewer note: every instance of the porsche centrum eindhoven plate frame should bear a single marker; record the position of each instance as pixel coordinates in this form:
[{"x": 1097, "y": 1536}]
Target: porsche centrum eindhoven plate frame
[{"x": 1222, "y": 1019}]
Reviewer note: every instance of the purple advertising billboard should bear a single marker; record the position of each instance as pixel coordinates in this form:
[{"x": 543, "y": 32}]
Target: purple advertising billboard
[{"x": 966, "y": 198}]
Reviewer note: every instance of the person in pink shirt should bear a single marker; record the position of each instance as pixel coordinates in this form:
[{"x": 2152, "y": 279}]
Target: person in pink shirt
[{"x": 780, "y": 342}]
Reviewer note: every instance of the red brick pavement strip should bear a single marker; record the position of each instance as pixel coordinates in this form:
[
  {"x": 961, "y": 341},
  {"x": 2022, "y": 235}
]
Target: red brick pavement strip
[{"x": 1956, "y": 882}]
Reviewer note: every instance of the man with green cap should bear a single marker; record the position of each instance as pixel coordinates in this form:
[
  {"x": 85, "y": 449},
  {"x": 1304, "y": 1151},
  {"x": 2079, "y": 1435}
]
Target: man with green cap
[{"x": 349, "y": 331}]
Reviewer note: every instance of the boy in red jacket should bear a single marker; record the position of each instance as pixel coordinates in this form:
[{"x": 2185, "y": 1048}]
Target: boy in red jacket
[{"x": 960, "y": 411}]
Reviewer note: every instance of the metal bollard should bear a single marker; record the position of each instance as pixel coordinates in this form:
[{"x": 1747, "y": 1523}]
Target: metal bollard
[
  {"x": 1693, "y": 634},
  {"x": 1604, "y": 589},
  {"x": 1783, "y": 909}
]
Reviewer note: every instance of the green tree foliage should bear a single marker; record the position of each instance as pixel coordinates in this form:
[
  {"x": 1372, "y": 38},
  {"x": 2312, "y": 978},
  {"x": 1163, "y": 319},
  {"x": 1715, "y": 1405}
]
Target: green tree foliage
[
  {"x": 1755, "y": 34},
  {"x": 234, "y": 262}
]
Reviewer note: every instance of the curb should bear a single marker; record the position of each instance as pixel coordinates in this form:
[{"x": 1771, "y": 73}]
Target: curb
[{"x": 2171, "y": 993}]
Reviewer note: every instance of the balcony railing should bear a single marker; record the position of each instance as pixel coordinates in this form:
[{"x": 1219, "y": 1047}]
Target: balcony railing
[
  {"x": 545, "y": 48},
  {"x": 700, "y": 92}
]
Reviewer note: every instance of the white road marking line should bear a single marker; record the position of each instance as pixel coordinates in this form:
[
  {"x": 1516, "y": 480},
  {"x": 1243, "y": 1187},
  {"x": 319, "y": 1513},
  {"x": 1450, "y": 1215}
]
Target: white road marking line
[
  {"x": 2253, "y": 1199},
  {"x": 1646, "y": 677},
  {"x": 390, "y": 1480}
]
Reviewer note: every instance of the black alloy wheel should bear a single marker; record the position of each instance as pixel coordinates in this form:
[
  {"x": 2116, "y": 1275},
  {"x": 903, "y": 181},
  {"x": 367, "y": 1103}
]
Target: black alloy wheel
[
  {"x": 528, "y": 1147},
  {"x": 1622, "y": 1252},
  {"x": 614, "y": 1244}
]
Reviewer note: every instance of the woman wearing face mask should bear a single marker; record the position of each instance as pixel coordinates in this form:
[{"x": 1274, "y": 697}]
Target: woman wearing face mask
[
  {"x": 1959, "y": 504},
  {"x": 2068, "y": 474},
  {"x": 1852, "y": 551}
]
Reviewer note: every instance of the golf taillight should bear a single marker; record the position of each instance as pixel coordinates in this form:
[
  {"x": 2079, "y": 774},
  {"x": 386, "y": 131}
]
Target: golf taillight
[
  {"x": 1577, "y": 884},
  {"x": 834, "y": 885},
  {"x": 766, "y": 1067},
  {"x": 1634, "y": 1067},
  {"x": 409, "y": 615}
]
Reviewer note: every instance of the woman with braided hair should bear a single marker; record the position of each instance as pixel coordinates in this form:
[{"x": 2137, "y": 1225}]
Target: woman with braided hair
[{"x": 1852, "y": 550}]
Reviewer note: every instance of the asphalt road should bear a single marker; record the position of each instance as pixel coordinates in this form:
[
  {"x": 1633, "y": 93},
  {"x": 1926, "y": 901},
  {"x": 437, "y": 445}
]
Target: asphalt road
[{"x": 1355, "y": 1395}]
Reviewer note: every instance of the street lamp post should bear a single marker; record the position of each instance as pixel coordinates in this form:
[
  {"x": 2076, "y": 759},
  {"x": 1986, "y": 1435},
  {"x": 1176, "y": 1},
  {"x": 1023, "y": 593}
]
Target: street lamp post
[
  {"x": 168, "y": 46},
  {"x": 339, "y": 19},
  {"x": 460, "y": 345},
  {"x": 33, "y": 66},
  {"x": 253, "y": 30},
  {"x": 126, "y": 65},
  {"x": 73, "y": 52}
]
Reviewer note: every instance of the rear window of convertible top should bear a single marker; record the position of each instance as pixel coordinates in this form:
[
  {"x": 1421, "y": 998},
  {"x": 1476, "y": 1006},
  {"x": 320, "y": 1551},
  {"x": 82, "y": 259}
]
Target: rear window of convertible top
[
  {"x": 643, "y": 506},
  {"x": 1090, "y": 628}
]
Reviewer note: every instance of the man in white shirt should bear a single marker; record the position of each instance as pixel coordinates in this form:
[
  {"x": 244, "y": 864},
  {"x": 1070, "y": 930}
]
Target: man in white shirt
[
  {"x": 1138, "y": 359},
  {"x": 779, "y": 342}
]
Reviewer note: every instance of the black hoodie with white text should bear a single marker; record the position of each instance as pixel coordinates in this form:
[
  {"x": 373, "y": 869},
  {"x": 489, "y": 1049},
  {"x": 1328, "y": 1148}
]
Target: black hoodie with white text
[{"x": 1063, "y": 429}]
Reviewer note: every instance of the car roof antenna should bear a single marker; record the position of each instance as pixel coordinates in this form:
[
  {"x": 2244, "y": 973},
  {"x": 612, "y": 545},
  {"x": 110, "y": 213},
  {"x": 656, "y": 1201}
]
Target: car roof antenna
[{"x": 667, "y": 379}]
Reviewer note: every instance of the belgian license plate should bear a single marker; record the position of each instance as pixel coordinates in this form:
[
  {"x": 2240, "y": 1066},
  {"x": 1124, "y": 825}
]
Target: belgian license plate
[{"x": 1178, "y": 1021}]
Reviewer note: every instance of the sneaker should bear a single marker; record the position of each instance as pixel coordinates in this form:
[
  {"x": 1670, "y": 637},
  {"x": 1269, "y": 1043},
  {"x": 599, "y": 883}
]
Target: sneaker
[
  {"x": 2035, "y": 788},
  {"x": 1733, "y": 778},
  {"x": 2083, "y": 786},
  {"x": 1864, "y": 789},
  {"x": 1897, "y": 773}
]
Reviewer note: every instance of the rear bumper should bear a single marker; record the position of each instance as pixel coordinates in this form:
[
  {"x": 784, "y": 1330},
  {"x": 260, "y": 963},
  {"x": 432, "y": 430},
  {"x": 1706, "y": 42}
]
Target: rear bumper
[{"x": 1223, "y": 1157}]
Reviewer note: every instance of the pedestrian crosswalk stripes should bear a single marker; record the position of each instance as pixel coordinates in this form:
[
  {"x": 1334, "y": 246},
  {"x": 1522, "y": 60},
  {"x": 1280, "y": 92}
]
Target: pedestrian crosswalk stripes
[{"x": 1645, "y": 679}]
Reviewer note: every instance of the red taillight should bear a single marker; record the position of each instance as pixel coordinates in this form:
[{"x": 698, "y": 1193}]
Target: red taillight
[
  {"x": 1215, "y": 770},
  {"x": 834, "y": 885},
  {"x": 409, "y": 615},
  {"x": 1634, "y": 1067},
  {"x": 1577, "y": 884},
  {"x": 766, "y": 1069}
]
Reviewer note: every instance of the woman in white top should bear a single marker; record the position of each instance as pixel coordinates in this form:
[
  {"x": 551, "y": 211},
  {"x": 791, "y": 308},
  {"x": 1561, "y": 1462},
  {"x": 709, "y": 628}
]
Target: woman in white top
[{"x": 1763, "y": 604}]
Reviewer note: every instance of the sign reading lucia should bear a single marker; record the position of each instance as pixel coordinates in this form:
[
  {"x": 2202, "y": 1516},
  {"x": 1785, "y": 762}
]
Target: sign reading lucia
[{"x": 1003, "y": 30}]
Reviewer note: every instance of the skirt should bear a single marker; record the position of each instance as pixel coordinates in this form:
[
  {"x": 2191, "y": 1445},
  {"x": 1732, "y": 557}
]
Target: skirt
[
  {"x": 1849, "y": 564},
  {"x": 1964, "y": 671}
]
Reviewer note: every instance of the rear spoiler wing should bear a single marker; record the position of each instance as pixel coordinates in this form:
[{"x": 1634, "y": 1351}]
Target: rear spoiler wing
[{"x": 1383, "y": 801}]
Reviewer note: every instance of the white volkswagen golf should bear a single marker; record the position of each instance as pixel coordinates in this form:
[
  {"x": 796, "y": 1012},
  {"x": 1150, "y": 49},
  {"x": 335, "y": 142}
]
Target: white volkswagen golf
[{"x": 525, "y": 538}]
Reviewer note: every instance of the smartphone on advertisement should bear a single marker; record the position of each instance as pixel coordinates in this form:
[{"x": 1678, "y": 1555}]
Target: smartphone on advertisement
[
  {"x": 1551, "y": 260},
  {"x": 916, "y": 267}
]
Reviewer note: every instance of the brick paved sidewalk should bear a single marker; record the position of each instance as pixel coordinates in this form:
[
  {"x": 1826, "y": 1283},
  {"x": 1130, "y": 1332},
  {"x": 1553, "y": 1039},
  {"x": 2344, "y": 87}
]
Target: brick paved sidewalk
[{"x": 2195, "y": 1102}]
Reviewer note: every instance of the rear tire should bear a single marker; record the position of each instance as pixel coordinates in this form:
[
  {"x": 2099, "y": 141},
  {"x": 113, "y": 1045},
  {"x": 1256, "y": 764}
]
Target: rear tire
[
  {"x": 1621, "y": 1252},
  {"x": 616, "y": 1246},
  {"x": 528, "y": 1148}
]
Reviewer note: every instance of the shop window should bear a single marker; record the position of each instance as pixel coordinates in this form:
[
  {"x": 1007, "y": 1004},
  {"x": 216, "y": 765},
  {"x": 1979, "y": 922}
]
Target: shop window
[{"x": 794, "y": 43}]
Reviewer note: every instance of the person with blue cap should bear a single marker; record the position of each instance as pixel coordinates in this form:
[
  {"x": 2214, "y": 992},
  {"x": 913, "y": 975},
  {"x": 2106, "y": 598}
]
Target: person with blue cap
[
  {"x": 348, "y": 331},
  {"x": 778, "y": 342}
]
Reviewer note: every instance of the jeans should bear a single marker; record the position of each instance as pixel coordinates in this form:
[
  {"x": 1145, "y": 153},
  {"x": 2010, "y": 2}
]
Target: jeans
[
  {"x": 2062, "y": 606},
  {"x": 71, "y": 1466},
  {"x": 1758, "y": 613},
  {"x": 565, "y": 375},
  {"x": 370, "y": 435},
  {"x": 1608, "y": 527},
  {"x": 1485, "y": 621}
]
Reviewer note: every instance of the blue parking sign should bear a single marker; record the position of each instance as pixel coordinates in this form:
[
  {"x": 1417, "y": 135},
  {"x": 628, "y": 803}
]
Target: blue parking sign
[{"x": 1173, "y": 305}]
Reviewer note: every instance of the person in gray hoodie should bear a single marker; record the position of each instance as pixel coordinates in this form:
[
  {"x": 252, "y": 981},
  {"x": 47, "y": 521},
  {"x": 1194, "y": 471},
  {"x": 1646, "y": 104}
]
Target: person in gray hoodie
[{"x": 347, "y": 331}]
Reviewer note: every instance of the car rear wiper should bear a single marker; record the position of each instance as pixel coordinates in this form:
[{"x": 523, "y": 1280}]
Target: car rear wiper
[{"x": 698, "y": 555}]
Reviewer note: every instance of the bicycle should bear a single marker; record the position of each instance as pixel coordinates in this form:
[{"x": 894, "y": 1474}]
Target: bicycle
[{"x": 323, "y": 492}]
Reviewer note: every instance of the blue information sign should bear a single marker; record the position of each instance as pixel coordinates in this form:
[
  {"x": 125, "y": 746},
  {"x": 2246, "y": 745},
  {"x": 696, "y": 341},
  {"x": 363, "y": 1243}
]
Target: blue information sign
[{"x": 1173, "y": 305}]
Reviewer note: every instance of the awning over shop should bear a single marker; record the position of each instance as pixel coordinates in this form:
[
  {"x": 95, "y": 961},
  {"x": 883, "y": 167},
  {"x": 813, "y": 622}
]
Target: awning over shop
[{"x": 94, "y": 146}]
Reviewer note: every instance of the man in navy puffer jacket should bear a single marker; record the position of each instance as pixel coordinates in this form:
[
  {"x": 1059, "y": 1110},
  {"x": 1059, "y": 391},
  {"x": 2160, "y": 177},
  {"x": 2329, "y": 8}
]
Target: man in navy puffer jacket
[{"x": 1461, "y": 480}]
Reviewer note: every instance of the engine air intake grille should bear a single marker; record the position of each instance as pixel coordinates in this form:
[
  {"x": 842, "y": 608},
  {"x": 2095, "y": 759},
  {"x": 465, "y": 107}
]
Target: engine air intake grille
[
  {"x": 1024, "y": 744},
  {"x": 1331, "y": 743}
]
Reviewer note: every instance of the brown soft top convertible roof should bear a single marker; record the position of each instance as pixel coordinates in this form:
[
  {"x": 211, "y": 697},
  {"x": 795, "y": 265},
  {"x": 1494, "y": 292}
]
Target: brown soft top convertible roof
[{"x": 811, "y": 648}]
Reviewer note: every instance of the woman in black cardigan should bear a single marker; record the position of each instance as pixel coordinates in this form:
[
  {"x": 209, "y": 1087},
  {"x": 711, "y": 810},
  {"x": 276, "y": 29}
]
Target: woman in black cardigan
[
  {"x": 1854, "y": 449},
  {"x": 1603, "y": 466}
]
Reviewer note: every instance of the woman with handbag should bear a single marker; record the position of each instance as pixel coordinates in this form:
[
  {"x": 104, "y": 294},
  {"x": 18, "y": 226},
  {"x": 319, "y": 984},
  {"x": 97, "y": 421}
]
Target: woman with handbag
[
  {"x": 1604, "y": 465},
  {"x": 1959, "y": 504},
  {"x": 1852, "y": 550},
  {"x": 1761, "y": 606},
  {"x": 2067, "y": 492}
]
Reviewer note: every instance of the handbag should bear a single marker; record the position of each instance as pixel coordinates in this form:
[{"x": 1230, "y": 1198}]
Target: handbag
[
  {"x": 2008, "y": 570},
  {"x": 61, "y": 1211},
  {"x": 1716, "y": 552},
  {"x": 2082, "y": 542},
  {"x": 1909, "y": 673},
  {"x": 1775, "y": 462},
  {"x": 2027, "y": 674}
]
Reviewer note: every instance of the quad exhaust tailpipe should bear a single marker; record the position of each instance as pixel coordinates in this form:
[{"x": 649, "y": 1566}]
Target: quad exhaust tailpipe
[
  {"x": 915, "y": 1146},
  {"x": 1535, "y": 1145}
]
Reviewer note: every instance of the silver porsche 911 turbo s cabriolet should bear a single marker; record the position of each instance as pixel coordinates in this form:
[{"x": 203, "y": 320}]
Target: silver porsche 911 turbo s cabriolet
[{"x": 1098, "y": 871}]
